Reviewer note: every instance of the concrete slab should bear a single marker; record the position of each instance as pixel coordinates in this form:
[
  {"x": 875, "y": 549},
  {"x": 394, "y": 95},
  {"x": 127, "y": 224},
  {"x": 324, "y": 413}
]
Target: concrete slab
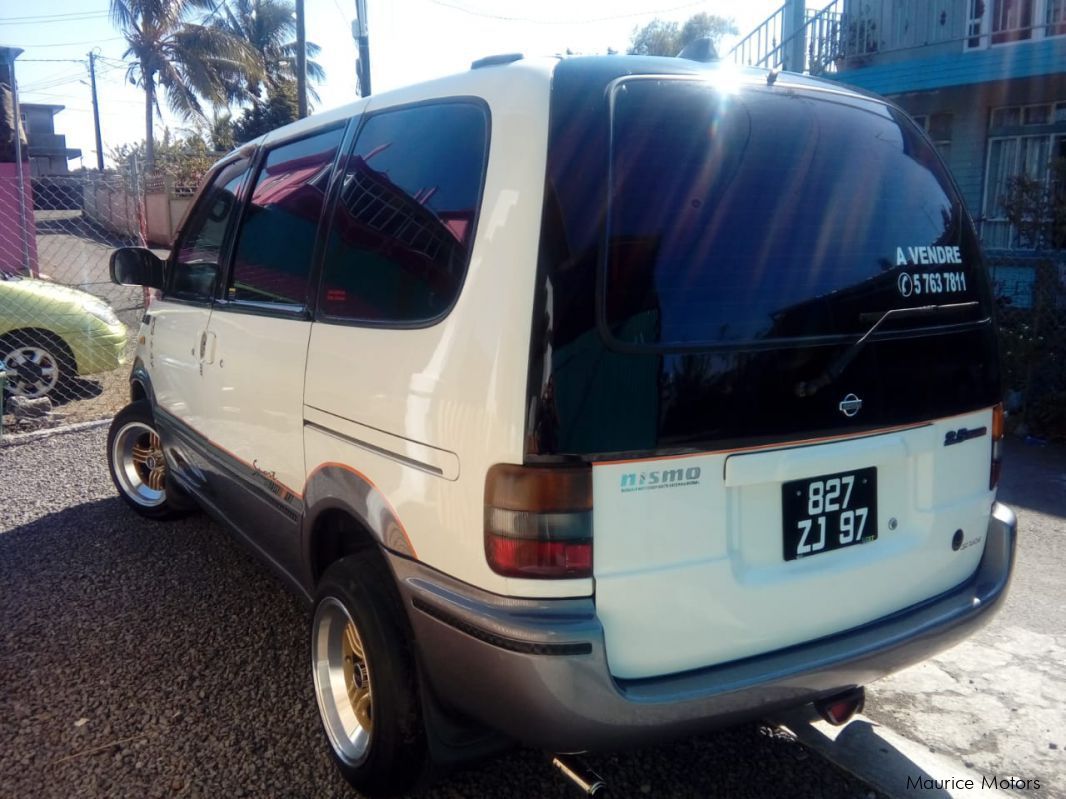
[{"x": 894, "y": 765}]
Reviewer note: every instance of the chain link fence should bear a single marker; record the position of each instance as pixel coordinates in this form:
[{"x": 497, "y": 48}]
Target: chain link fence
[
  {"x": 1031, "y": 290},
  {"x": 66, "y": 332}
]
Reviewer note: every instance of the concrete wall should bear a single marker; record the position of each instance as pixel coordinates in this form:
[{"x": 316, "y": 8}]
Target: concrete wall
[
  {"x": 115, "y": 208},
  {"x": 157, "y": 212},
  {"x": 178, "y": 207}
]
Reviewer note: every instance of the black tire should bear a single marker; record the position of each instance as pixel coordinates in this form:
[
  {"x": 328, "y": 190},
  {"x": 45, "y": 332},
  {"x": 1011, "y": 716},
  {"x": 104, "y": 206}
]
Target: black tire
[
  {"x": 395, "y": 755},
  {"x": 49, "y": 352},
  {"x": 141, "y": 478}
]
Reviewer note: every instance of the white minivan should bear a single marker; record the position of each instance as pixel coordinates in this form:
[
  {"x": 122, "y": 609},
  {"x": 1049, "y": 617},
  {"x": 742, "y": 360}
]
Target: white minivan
[{"x": 589, "y": 401}]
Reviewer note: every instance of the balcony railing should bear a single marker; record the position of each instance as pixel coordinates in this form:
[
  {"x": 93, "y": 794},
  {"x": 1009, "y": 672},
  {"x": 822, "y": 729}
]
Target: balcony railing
[
  {"x": 47, "y": 142},
  {"x": 762, "y": 47},
  {"x": 849, "y": 32}
]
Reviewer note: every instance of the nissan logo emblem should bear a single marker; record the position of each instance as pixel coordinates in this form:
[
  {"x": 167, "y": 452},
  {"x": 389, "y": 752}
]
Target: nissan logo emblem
[{"x": 850, "y": 405}]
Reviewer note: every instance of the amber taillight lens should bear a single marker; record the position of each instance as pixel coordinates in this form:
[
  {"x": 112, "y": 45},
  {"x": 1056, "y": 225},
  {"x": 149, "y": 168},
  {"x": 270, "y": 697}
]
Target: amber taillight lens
[
  {"x": 997, "y": 446},
  {"x": 538, "y": 521}
]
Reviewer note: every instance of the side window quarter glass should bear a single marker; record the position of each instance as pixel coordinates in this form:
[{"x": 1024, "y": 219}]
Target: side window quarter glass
[
  {"x": 404, "y": 220},
  {"x": 276, "y": 239},
  {"x": 197, "y": 259}
]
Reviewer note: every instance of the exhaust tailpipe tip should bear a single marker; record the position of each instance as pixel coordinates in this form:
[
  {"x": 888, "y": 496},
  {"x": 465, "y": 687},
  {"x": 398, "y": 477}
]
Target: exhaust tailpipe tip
[
  {"x": 839, "y": 709},
  {"x": 578, "y": 772}
]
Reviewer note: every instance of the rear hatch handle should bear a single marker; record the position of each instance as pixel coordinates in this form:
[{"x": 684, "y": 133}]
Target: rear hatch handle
[{"x": 836, "y": 367}]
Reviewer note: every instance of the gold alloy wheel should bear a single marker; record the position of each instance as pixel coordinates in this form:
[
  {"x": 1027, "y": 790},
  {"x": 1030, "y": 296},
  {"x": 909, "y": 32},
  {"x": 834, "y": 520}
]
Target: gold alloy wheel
[
  {"x": 357, "y": 677},
  {"x": 343, "y": 686},
  {"x": 148, "y": 460},
  {"x": 141, "y": 469}
]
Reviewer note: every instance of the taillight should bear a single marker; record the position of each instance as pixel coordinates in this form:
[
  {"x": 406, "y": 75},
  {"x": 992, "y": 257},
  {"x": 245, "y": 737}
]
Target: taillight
[
  {"x": 538, "y": 521},
  {"x": 997, "y": 446}
]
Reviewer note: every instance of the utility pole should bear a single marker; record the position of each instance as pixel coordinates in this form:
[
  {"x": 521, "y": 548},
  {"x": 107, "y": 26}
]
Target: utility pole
[
  {"x": 362, "y": 38},
  {"x": 301, "y": 61},
  {"x": 96, "y": 113}
]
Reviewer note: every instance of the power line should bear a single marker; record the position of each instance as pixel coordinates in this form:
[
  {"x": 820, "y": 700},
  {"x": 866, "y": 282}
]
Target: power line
[
  {"x": 52, "y": 84},
  {"x": 51, "y": 60},
  {"x": 345, "y": 17},
  {"x": 44, "y": 17},
  {"x": 488, "y": 15},
  {"x": 79, "y": 109},
  {"x": 36, "y": 22},
  {"x": 71, "y": 44},
  {"x": 47, "y": 81}
]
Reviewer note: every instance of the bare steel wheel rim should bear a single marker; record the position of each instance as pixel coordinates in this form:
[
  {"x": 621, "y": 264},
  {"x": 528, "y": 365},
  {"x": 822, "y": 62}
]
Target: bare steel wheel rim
[
  {"x": 31, "y": 371},
  {"x": 342, "y": 681},
  {"x": 140, "y": 467}
]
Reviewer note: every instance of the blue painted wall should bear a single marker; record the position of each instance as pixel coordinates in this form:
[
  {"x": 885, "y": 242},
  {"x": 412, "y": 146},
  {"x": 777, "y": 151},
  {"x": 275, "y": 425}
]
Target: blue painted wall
[{"x": 1019, "y": 60}]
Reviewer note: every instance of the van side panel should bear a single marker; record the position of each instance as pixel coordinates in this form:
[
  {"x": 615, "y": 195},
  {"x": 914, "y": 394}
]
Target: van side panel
[{"x": 456, "y": 389}]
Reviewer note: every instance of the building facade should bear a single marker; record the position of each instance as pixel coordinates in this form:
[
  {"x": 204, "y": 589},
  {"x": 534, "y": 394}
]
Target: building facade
[
  {"x": 47, "y": 150},
  {"x": 986, "y": 78}
]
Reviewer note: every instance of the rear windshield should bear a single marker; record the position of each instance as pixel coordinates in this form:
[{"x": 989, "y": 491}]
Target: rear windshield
[{"x": 770, "y": 216}]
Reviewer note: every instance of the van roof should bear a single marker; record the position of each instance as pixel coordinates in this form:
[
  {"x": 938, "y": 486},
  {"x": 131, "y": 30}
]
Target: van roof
[{"x": 471, "y": 81}]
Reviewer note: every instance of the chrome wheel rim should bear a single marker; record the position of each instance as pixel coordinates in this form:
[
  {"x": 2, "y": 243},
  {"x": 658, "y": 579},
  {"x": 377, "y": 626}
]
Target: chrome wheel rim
[
  {"x": 31, "y": 371},
  {"x": 137, "y": 455},
  {"x": 342, "y": 681}
]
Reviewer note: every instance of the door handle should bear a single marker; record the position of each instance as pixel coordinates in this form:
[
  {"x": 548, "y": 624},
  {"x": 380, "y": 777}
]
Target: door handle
[{"x": 207, "y": 347}]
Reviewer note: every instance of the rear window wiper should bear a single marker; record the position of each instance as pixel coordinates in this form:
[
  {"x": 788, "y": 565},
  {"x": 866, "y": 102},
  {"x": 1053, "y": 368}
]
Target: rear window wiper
[{"x": 840, "y": 363}]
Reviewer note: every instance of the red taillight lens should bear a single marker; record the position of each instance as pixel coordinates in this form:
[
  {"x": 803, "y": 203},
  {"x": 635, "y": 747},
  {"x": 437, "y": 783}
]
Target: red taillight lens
[
  {"x": 538, "y": 521},
  {"x": 516, "y": 557},
  {"x": 997, "y": 446}
]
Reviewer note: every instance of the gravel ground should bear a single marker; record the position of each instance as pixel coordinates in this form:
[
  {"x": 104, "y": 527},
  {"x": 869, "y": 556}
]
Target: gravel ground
[{"x": 146, "y": 659}]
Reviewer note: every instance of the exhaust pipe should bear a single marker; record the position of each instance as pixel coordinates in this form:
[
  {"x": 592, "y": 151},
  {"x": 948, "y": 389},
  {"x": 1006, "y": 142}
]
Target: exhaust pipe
[
  {"x": 839, "y": 709},
  {"x": 578, "y": 772}
]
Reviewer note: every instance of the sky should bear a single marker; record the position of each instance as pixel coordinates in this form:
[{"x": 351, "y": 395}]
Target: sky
[{"x": 410, "y": 40}]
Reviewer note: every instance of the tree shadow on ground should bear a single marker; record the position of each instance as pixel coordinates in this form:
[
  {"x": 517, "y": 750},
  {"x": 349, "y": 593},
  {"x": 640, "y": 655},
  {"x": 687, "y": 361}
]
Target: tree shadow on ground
[
  {"x": 1034, "y": 477},
  {"x": 84, "y": 228}
]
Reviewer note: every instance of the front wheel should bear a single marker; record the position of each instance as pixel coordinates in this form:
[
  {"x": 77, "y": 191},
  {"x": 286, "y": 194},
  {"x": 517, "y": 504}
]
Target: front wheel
[
  {"x": 364, "y": 678},
  {"x": 138, "y": 467},
  {"x": 36, "y": 363}
]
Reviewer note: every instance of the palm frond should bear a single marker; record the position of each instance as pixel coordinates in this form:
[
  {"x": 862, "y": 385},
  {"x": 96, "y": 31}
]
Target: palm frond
[
  {"x": 180, "y": 96},
  {"x": 315, "y": 72},
  {"x": 122, "y": 16}
]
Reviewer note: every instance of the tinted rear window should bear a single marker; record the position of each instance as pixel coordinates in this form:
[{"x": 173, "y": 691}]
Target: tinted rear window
[{"x": 721, "y": 231}]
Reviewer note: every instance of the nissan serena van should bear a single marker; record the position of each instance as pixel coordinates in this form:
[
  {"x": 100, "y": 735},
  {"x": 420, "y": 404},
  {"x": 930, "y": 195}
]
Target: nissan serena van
[{"x": 588, "y": 402}]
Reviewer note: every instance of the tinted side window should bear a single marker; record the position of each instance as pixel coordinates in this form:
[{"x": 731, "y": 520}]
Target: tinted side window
[
  {"x": 275, "y": 242},
  {"x": 404, "y": 222},
  {"x": 197, "y": 259}
]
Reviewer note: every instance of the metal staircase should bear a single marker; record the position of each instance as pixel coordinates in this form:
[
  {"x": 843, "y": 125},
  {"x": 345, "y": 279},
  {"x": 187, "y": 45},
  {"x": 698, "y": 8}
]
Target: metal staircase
[{"x": 795, "y": 39}]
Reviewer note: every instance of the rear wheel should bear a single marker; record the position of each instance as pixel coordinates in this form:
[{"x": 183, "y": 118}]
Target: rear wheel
[
  {"x": 138, "y": 467},
  {"x": 364, "y": 677}
]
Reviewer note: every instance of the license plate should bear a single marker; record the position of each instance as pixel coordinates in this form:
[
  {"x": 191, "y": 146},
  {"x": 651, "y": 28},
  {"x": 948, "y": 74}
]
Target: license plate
[{"x": 829, "y": 512}]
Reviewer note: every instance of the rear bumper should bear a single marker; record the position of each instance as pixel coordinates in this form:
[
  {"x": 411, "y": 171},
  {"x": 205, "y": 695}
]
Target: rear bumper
[{"x": 537, "y": 669}]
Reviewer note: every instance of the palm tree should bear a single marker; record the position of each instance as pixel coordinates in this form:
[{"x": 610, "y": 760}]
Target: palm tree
[
  {"x": 188, "y": 61},
  {"x": 269, "y": 27}
]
